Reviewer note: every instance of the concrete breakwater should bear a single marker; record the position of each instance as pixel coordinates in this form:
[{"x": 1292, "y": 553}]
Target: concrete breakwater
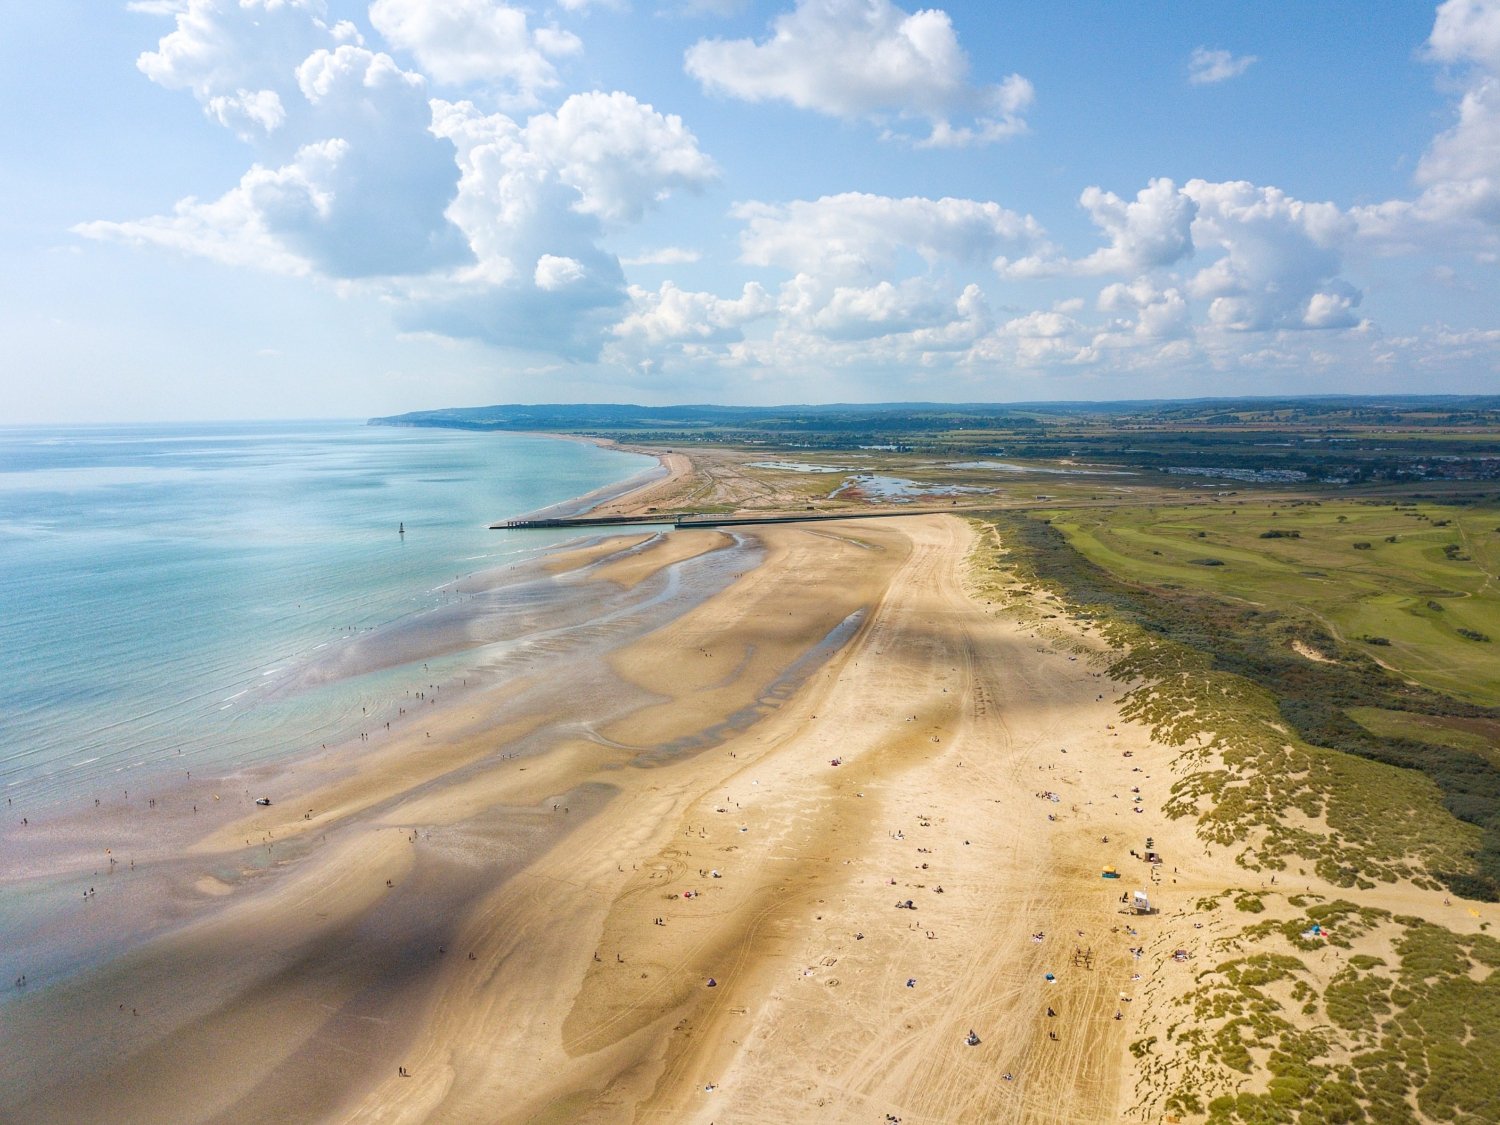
[{"x": 684, "y": 521}]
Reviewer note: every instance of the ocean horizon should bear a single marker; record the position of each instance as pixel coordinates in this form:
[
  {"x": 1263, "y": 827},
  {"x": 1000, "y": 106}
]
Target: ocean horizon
[{"x": 189, "y": 596}]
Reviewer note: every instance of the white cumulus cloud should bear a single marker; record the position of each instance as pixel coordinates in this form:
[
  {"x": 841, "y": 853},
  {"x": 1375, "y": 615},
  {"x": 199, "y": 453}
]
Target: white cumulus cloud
[
  {"x": 553, "y": 273},
  {"x": 1151, "y": 232},
  {"x": 245, "y": 111},
  {"x": 235, "y": 55},
  {"x": 670, "y": 314},
  {"x": 883, "y": 309},
  {"x": 621, "y": 155},
  {"x": 866, "y": 59},
  {"x": 1467, "y": 31},
  {"x": 366, "y": 199},
  {"x": 1160, "y": 313},
  {"x": 1281, "y": 258},
  {"x": 238, "y": 228},
  {"x": 465, "y": 41},
  {"x": 1458, "y": 207}
]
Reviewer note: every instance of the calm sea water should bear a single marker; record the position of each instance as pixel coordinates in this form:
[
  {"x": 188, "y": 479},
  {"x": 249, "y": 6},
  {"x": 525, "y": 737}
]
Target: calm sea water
[{"x": 162, "y": 586}]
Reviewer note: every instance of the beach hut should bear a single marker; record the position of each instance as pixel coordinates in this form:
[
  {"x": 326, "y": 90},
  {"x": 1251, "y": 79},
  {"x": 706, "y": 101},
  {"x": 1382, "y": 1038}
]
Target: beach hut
[
  {"x": 1109, "y": 873},
  {"x": 1141, "y": 902}
]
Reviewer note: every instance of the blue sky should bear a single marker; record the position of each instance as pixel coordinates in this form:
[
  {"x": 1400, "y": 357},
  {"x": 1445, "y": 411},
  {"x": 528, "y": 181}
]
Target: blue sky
[{"x": 271, "y": 208}]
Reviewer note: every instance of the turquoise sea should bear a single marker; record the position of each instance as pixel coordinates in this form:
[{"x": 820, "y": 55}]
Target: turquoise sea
[{"x": 168, "y": 592}]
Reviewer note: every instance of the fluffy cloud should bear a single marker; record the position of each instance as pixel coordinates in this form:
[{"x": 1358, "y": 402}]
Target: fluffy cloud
[
  {"x": 864, "y": 312},
  {"x": 1152, "y": 232},
  {"x": 866, "y": 59},
  {"x": 1160, "y": 313},
  {"x": 532, "y": 201},
  {"x": 1469, "y": 153},
  {"x": 856, "y": 235},
  {"x": 1037, "y": 339},
  {"x": 1460, "y": 171},
  {"x": 1207, "y": 67},
  {"x": 236, "y": 228},
  {"x": 394, "y": 177},
  {"x": 540, "y": 279},
  {"x": 1467, "y": 31},
  {"x": 1277, "y": 266},
  {"x": 468, "y": 224},
  {"x": 600, "y": 157},
  {"x": 236, "y": 56},
  {"x": 807, "y": 330},
  {"x": 553, "y": 273},
  {"x": 493, "y": 226},
  {"x": 464, "y": 41},
  {"x": 316, "y": 213},
  {"x": 672, "y": 315},
  {"x": 245, "y": 111},
  {"x": 621, "y": 156},
  {"x": 1459, "y": 174},
  {"x": 478, "y": 226},
  {"x": 1281, "y": 258}
]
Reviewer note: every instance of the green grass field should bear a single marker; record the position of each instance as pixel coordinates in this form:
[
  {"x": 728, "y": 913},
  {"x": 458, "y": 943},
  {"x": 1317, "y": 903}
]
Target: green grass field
[{"x": 1422, "y": 577}]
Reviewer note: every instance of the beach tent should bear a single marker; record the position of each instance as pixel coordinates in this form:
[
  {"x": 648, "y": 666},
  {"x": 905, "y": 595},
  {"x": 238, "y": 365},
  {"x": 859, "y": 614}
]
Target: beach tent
[{"x": 1109, "y": 873}]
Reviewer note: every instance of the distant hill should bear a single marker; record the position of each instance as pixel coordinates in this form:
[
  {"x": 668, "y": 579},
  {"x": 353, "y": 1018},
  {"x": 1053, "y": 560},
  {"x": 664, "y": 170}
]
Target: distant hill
[
  {"x": 1334, "y": 439},
  {"x": 818, "y": 418},
  {"x": 931, "y": 417}
]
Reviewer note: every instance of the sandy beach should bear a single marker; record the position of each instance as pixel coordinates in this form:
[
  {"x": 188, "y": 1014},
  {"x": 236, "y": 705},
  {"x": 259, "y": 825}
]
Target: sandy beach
[{"x": 771, "y": 852}]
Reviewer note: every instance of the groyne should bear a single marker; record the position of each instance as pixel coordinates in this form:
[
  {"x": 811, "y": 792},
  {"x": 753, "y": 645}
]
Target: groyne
[{"x": 699, "y": 520}]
